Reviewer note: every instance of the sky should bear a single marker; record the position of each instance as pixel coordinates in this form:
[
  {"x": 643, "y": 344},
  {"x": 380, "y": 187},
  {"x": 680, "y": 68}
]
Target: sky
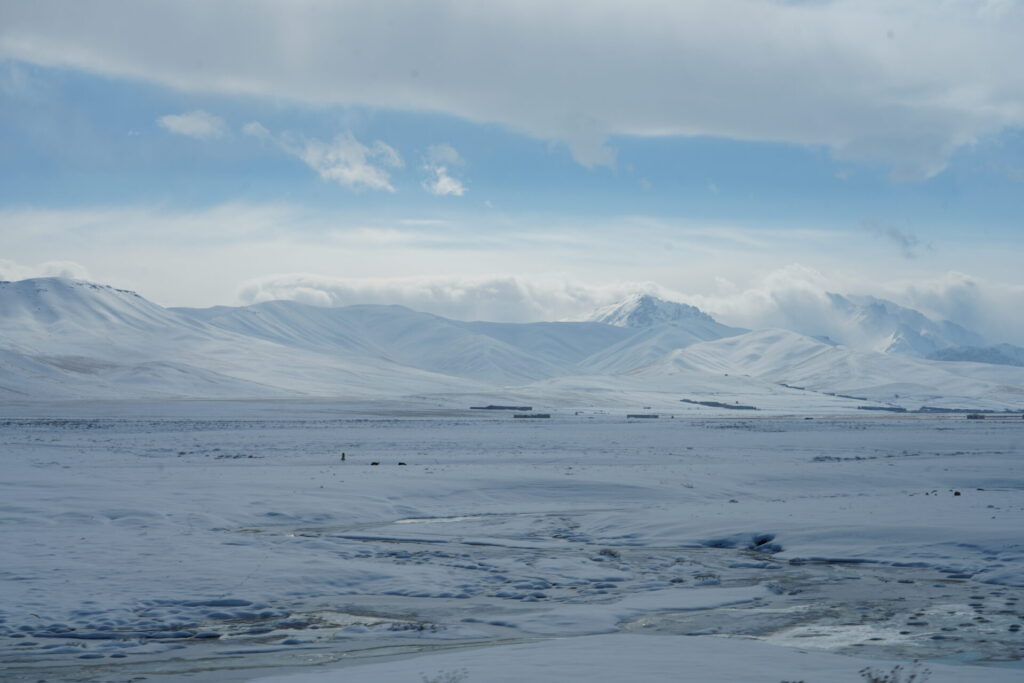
[{"x": 520, "y": 160}]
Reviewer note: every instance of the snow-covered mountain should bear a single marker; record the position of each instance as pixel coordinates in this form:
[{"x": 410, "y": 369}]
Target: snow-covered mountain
[
  {"x": 499, "y": 353},
  {"x": 651, "y": 343},
  {"x": 645, "y": 328},
  {"x": 800, "y": 362},
  {"x": 660, "y": 327},
  {"x": 392, "y": 333},
  {"x": 864, "y": 323},
  {"x": 867, "y": 323},
  {"x": 645, "y": 310},
  {"x": 566, "y": 344},
  {"x": 70, "y": 339}
]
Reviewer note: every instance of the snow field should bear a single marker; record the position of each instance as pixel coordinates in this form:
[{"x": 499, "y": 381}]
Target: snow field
[{"x": 151, "y": 543}]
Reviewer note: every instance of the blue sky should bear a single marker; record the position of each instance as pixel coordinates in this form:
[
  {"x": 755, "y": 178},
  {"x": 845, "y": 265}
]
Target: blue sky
[
  {"x": 698, "y": 149},
  {"x": 74, "y": 139}
]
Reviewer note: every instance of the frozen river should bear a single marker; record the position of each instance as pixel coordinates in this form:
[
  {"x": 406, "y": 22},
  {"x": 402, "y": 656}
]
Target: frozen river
[{"x": 232, "y": 541}]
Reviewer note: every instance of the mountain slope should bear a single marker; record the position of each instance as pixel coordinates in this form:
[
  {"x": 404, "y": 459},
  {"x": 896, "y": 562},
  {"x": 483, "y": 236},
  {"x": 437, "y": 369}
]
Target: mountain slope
[
  {"x": 65, "y": 338},
  {"x": 645, "y": 347},
  {"x": 631, "y": 334},
  {"x": 561, "y": 343},
  {"x": 660, "y": 326},
  {"x": 786, "y": 357},
  {"x": 394, "y": 333},
  {"x": 288, "y": 323},
  {"x": 999, "y": 354}
]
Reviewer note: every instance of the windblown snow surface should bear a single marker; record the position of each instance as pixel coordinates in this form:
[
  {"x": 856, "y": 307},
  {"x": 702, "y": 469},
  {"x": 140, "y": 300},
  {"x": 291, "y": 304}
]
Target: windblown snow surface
[{"x": 230, "y": 541}]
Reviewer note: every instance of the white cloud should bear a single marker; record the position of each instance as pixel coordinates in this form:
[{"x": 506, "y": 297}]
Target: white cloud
[
  {"x": 795, "y": 297},
  {"x": 899, "y": 82},
  {"x": 790, "y": 297},
  {"x": 348, "y": 162},
  {"x": 437, "y": 161},
  {"x": 495, "y": 267},
  {"x": 510, "y": 298},
  {"x": 343, "y": 160},
  {"x": 442, "y": 184},
  {"x": 987, "y": 306},
  {"x": 10, "y": 270},
  {"x": 196, "y": 124}
]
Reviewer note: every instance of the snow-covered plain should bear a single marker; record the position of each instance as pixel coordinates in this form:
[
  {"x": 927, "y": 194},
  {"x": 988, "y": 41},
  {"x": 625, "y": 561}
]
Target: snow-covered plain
[{"x": 219, "y": 541}]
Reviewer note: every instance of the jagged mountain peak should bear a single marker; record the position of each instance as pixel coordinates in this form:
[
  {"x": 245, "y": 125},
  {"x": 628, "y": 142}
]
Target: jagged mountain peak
[
  {"x": 881, "y": 325},
  {"x": 647, "y": 310}
]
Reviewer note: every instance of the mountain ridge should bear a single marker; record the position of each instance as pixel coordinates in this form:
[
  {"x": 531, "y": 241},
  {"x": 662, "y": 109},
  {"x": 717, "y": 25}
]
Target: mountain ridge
[
  {"x": 68, "y": 338},
  {"x": 885, "y": 326},
  {"x": 74, "y": 339}
]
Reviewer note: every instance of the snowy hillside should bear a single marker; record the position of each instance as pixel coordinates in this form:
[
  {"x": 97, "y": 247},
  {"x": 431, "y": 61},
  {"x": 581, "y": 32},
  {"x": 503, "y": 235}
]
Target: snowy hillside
[
  {"x": 41, "y": 314},
  {"x": 999, "y": 354},
  {"x": 650, "y": 344},
  {"x": 562, "y": 343},
  {"x": 70, "y": 339},
  {"x": 635, "y": 333},
  {"x": 393, "y": 333},
  {"x": 792, "y": 359},
  {"x": 661, "y": 327}
]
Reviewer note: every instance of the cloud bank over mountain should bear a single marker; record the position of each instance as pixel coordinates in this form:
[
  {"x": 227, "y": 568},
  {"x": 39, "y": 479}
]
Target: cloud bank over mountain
[
  {"x": 11, "y": 270},
  {"x": 798, "y": 297},
  {"x": 502, "y": 299},
  {"x": 795, "y": 297},
  {"x": 63, "y": 338},
  {"x": 508, "y": 269}
]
